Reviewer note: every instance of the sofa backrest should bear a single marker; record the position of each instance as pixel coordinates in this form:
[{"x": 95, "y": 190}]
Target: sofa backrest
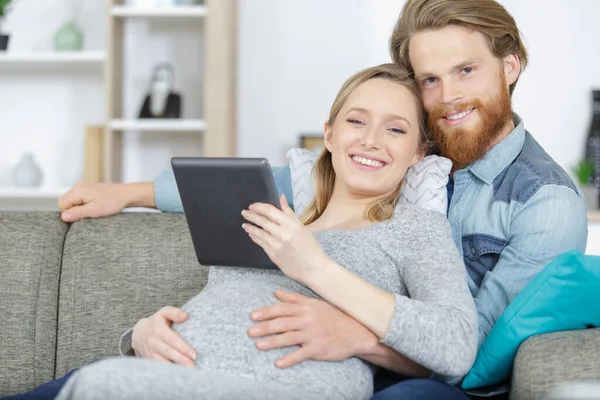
[
  {"x": 30, "y": 259},
  {"x": 68, "y": 292},
  {"x": 115, "y": 271}
]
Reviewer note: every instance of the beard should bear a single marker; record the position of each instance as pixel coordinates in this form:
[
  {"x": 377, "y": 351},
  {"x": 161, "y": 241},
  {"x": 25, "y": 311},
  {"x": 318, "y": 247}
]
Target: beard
[{"x": 465, "y": 146}]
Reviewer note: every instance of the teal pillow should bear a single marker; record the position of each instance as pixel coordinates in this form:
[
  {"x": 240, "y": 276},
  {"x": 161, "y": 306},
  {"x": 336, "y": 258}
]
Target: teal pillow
[{"x": 564, "y": 296}]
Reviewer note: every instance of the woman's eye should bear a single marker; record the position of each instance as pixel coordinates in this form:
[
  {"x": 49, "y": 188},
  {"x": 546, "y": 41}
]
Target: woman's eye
[
  {"x": 397, "y": 131},
  {"x": 354, "y": 121}
]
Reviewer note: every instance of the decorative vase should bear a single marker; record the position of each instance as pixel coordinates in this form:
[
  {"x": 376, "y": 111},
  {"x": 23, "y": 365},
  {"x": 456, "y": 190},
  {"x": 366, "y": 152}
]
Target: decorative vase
[
  {"x": 27, "y": 172},
  {"x": 68, "y": 38}
]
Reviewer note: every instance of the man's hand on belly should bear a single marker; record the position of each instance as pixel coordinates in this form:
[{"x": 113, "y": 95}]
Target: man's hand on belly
[{"x": 323, "y": 332}]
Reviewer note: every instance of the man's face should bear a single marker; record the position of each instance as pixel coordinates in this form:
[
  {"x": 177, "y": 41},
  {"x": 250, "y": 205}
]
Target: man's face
[{"x": 465, "y": 91}]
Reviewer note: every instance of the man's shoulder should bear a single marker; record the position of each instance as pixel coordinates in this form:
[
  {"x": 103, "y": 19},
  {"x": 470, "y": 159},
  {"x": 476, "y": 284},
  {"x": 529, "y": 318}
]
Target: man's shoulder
[{"x": 531, "y": 170}]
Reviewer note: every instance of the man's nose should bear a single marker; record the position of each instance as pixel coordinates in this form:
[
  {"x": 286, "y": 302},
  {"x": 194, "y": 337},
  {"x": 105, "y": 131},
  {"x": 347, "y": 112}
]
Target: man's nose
[{"x": 450, "y": 92}]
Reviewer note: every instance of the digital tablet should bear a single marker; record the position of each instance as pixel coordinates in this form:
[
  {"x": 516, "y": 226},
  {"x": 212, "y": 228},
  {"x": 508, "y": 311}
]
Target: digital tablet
[{"x": 213, "y": 192}]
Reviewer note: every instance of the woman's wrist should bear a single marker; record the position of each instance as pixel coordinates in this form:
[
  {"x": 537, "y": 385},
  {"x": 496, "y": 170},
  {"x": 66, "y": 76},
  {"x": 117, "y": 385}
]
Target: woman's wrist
[{"x": 139, "y": 194}]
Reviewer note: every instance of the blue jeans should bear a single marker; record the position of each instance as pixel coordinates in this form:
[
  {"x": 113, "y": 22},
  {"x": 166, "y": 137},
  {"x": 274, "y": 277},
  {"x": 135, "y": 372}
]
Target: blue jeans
[
  {"x": 47, "y": 391},
  {"x": 410, "y": 389},
  {"x": 417, "y": 389}
]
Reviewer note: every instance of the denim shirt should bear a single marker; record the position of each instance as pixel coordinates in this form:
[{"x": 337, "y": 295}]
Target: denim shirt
[{"x": 511, "y": 213}]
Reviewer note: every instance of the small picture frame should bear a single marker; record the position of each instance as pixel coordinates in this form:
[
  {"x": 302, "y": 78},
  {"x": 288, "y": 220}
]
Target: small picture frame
[{"x": 312, "y": 142}]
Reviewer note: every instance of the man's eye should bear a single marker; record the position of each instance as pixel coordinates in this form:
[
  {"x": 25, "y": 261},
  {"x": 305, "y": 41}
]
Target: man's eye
[
  {"x": 429, "y": 81},
  {"x": 467, "y": 70}
]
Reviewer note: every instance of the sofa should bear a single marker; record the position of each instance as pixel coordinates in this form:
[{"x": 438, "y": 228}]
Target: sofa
[{"x": 68, "y": 292}]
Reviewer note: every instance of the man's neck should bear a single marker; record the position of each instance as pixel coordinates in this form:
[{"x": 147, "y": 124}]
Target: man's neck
[{"x": 504, "y": 132}]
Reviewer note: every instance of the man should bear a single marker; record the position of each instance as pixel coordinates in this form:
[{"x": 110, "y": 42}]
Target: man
[{"x": 512, "y": 208}]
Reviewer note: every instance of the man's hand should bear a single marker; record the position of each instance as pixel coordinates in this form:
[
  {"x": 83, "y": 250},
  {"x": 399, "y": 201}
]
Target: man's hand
[
  {"x": 154, "y": 338},
  {"x": 92, "y": 200},
  {"x": 322, "y": 331}
]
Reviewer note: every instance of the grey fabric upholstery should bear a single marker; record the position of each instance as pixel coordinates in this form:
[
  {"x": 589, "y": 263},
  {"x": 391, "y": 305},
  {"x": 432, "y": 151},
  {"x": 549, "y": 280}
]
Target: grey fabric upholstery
[
  {"x": 67, "y": 293},
  {"x": 30, "y": 258},
  {"x": 115, "y": 271},
  {"x": 546, "y": 360}
]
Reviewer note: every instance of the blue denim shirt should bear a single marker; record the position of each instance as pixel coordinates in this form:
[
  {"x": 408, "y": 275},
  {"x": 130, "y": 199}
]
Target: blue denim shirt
[{"x": 511, "y": 213}]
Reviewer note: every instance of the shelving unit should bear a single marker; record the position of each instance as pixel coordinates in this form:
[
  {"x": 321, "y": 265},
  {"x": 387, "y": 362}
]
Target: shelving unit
[
  {"x": 52, "y": 59},
  {"x": 123, "y": 11},
  {"x": 161, "y": 125},
  {"x": 218, "y": 20}
]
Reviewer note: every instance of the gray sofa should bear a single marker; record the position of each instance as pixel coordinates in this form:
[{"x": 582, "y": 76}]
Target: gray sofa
[{"x": 68, "y": 292}]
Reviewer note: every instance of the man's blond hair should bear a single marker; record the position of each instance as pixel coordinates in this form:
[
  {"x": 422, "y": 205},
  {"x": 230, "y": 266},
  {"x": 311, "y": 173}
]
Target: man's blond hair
[{"x": 485, "y": 16}]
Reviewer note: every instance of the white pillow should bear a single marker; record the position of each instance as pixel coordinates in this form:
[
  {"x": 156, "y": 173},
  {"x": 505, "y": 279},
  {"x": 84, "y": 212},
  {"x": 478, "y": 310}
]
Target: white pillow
[{"x": 424, "y": 184}]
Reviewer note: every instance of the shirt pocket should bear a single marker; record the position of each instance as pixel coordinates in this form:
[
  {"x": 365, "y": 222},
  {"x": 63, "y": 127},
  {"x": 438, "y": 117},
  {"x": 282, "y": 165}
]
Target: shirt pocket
[{"x": 481, "y": 252}]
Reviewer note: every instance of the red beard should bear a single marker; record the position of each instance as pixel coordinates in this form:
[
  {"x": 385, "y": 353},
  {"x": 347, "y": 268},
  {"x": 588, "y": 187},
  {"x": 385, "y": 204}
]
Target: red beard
[{"x": 463, "y": 146}]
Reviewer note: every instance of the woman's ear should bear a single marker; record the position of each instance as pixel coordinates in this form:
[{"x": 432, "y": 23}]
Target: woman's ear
[
  {"x": 419, "y": 155},
  {"x": 328, "y": 136}
]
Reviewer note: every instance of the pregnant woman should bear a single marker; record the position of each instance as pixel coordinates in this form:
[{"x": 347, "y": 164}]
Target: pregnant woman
[{"x": 392, "y": 267}]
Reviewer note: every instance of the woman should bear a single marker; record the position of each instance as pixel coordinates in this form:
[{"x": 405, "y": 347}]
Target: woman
[{"x": 355, "y": 247}]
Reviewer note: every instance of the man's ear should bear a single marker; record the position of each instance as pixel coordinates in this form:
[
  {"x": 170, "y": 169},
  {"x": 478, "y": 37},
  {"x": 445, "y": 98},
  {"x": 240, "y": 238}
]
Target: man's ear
[
  {"x": 328, "y": 135},
  {"x": 512, "y": 68}
]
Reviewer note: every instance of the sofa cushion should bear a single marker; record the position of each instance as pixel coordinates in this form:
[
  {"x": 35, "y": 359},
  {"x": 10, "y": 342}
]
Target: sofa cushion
[
  {"x": 117, "y": 270},
  {"x": 563, "y": 296},
  {"x": 30, "y": 257},
  {"x": 424, "y": 184},
  {"x": 544, "y": 361}
]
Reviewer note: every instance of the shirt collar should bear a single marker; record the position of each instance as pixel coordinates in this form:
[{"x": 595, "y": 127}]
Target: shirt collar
[{"x": 501, "y": 155}]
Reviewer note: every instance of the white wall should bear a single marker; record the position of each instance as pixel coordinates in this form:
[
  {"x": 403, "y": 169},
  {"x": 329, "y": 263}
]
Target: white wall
[
  {"x": 295, "y": 54},
  {"x": 293, "y": 57}
]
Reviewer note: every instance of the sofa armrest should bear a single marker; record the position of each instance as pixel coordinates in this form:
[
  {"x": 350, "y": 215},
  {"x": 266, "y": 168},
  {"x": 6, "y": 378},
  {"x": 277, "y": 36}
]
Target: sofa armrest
[{"x": 546, "y": 360}]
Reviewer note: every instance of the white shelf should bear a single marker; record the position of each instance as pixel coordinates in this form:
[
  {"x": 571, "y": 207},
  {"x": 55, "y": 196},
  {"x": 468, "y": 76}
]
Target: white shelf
[
  {"x": 158, "y": 125},
  {"x": 43, "y": 59},
  {"x": 11, "y": 192},
  {"x": 159, "y": 12}
]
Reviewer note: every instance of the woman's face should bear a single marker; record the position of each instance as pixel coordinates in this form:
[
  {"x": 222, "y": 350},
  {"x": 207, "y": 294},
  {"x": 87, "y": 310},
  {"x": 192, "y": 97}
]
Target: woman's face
[{"x": 374, "y": 139}]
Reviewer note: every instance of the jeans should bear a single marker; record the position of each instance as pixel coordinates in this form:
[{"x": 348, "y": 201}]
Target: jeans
[
  {"x": 46, "y": 391},
  {"x": 417, "y": 389}
]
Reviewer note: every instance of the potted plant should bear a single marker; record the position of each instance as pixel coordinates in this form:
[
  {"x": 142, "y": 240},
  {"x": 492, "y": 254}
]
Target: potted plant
[
  {"x": 585, "y": 173},
  {"x": 4, "y": 8}
]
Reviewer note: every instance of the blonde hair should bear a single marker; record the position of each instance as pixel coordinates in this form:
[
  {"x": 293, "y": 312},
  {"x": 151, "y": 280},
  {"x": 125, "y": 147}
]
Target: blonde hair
[
  {"x": 323, "y": 172},
  {"x": 485, "y": 16}
]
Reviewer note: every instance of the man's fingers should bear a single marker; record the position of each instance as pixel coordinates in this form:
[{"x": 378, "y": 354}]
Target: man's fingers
[
  {"x": 286, "y": 339},
  {"x": 72, "y": 198},
  {"x": 274, "y": 326},
  {"x": 302, "y": 354},
  {"x": 288, "y": 297},
  {"x": 275, "y": 311},
  {"x": 77, "y": 213}
]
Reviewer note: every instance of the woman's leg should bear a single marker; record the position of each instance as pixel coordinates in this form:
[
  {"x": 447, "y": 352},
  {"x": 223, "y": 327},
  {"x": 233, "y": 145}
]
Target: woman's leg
[
  {"x": 137, "y": 378},
  {"x": 420, "y": 389}
]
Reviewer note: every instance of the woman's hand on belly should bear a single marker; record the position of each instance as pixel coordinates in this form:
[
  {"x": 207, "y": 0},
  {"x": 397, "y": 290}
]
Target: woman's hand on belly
[
  {"x": 323, "y": 332},
  {"x": 154, "y": 338}
]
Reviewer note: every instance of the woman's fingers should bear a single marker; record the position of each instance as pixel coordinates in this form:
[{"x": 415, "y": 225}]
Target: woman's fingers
[
  {"x": 167, "y": 351},
  {"x": 175, "y": 341}
]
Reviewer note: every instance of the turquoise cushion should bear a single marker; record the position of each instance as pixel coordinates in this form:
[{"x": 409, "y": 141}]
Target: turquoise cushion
[{"x": 564, "y": 296}]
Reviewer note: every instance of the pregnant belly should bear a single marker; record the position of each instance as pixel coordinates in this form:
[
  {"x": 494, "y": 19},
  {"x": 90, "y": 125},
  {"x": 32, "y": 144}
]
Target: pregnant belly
[{"x": 219, "y": 319}]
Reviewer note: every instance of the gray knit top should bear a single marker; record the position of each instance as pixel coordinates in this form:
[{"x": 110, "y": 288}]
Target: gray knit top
[{"x": 411, "y": 255}]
